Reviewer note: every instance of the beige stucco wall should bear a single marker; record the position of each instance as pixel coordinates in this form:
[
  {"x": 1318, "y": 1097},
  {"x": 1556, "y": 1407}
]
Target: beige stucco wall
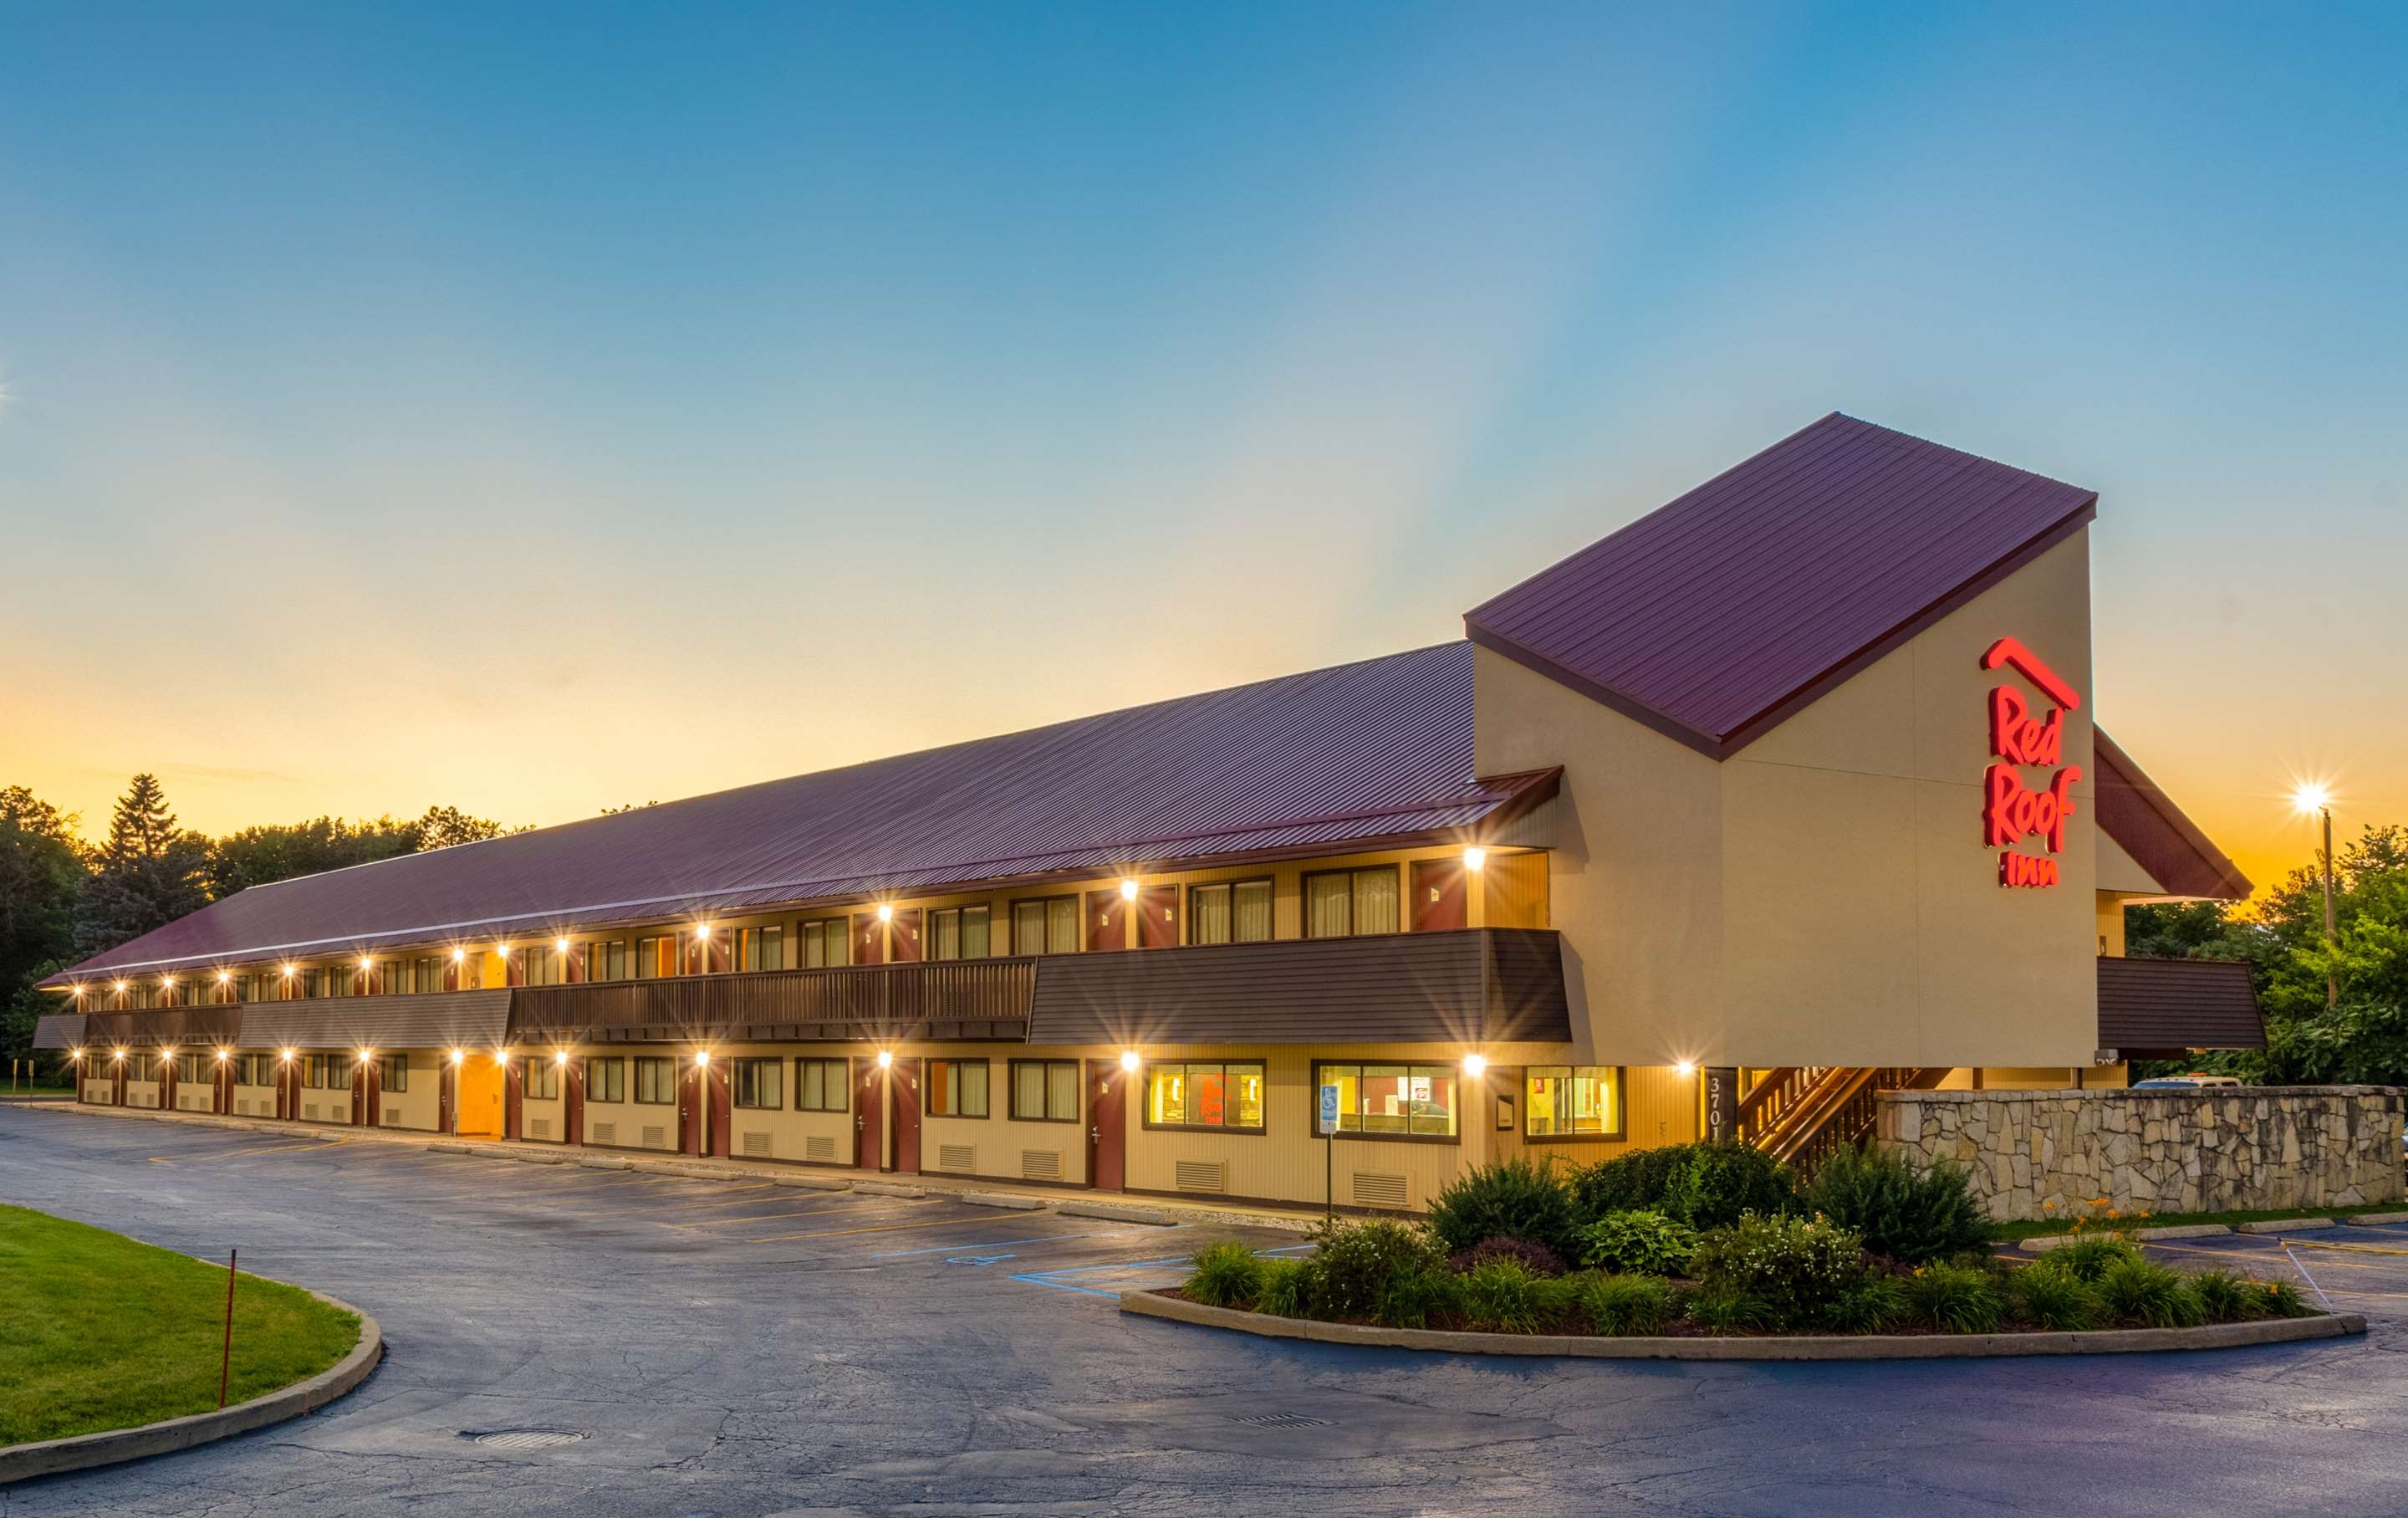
[{"x": 1823, "y": 896}]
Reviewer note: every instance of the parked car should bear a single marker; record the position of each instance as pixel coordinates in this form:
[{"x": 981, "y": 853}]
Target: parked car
[{"x": 2184, "y": 1083}]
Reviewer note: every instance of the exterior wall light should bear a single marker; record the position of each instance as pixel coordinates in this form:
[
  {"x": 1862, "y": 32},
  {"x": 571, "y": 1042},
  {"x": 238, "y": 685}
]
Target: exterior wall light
[
  {"x": 224, "y": 1055},
  {"x": 288, "y": 972},
  {"x": 560, "y": 1056},
  {"x": 366, "y": 964},
  {"x": 119, "y": 1055},
  {"x": 1128, "y": 891},
  {"x": 885, "y": 913},
  {"x": 286, "y": 1056},
  {"x": 702, "y": 1059},
  {"x": 1128, "y": 1060},
  {"x": 1474, "y": 858},
  {"x": 1686, "y": 1069},
  {"x": 502, "y": 949},
  {"x": 702, "y": 934},
  {"x": 561, "y": 943},
  {"x": 165, "y": 981},
  {"x": 224, "y": 975},
  {"x": 367, "y": 1056},
  {"x": 458, "y": 955},
  {"x": 1475, "y": 1066},
  {"x": 459, "y": 1057},
  {"x": 884, "y": 1059},
  {"x": 78, "y": 992},
  {"x": 120, "y": 988}
]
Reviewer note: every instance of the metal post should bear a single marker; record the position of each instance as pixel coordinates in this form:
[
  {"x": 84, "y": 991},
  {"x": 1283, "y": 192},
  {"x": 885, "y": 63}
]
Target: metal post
[
  {"x": 226, "y": 1362},
  {"x": 2332, "y": 970}
]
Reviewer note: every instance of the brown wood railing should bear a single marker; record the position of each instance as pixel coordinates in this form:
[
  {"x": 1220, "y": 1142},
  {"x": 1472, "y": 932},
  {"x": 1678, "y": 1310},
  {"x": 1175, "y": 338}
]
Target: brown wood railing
[
  {"x": 962, "y": 998},
  {"x": 1803, "y": 1114}
]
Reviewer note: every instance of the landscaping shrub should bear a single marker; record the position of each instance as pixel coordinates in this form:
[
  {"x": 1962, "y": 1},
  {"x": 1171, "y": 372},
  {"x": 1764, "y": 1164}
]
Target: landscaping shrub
[
  {"x": 1541, "y": 1260},
  {"x": 2057, "y": 1299},
  {"x": 1518, "y": 1198},
  {"x": 1353, "y": 1262},
  {"x": 1721, "y": 1184},
  {"x": 1287, "y": 1288},
  {"x": 2088, "y": 1258},
  {"x": 2284, "y": 1300},
  {"x": 1227, "y": 1275},
  {"x": 1419, "y": 1298},
  {"x": 1621, "y": 1306},
  {"x": 1505, "y": 1296},
  {"x": 1732, "y": 1312},
  {"x": 2136, "y": 1291},
  {"x": 1638, "y": 1239},
  {"x": 1799, "y": 1266},
  {"x": 1956, "y": 1299},
  {"x": 2225, "y": 1297},
  {"x": 1914, "y": 1217},
  {"x": 1871, "y": 1305},
  {"x": 1631, "y": 1183}
]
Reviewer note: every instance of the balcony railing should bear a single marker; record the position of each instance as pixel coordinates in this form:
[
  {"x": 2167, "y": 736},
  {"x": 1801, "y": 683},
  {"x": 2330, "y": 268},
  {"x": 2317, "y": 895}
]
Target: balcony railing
[{"x": 958, "y": 999}]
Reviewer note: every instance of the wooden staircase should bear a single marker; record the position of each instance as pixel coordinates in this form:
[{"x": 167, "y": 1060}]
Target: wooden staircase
[{"x": 1802, "y": 1113}]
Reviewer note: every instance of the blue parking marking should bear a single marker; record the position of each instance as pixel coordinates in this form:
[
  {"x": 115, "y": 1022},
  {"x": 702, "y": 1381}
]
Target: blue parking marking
[
  {"x": 1047, "y": 1278},
  {"x": 996, "y": 1244}
]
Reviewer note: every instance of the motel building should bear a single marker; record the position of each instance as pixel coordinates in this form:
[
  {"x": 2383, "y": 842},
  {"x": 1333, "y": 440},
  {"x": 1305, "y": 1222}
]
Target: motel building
[{"x": 1789, "y": 793}]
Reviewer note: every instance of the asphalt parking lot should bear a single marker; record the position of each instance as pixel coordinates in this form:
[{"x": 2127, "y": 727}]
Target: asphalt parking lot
[{"x": 736, "y": 1348}]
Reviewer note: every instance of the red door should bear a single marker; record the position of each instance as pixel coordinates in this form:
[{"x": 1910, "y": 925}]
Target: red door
[
  {"x": 1106, "y": 1150},
  {"x": 513, "y": 1098},
  {"x": 904, "y": 935},
  {"x": 868, "y": 939},
  {"x": 1441, "y": 895},
  {"x": 222, "y": 1089},
  {"x": 572, "y": 1098},
  {"x": 117, "y": 1082},
  {"x": 1107, "y": 921},
  {"x": 288, "y": 1089},
  {"x": 720, "y": 1090},
  {"x": 1157, "y": 917},
  {"x": 689, "y": 1109},
  {"x": 447, "y": 1097},
  {"x": 903, "y": 1091},
  {"x": 166, "y": 1085},
  {"x": 868, "y": 1114}
]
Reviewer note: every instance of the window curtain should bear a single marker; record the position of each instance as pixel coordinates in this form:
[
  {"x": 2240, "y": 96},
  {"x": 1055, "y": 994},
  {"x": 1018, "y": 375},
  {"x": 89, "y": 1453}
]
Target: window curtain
[
  {"x": 1252, "y": 918},
  {"x": 1328, "y": 906},
  {"x": 1208, "y": 910},
  {"x": 1377, "y": 901}
]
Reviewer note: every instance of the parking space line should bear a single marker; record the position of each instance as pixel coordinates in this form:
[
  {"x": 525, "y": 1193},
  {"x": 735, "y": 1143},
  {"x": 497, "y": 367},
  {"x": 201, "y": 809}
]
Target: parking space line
[
  {"x": 1042, "y": 1277},
  {"x": 881, "y": 1228},
  {"x": 999, "y": 1243},
  {"x": 241, "y": 1153}
]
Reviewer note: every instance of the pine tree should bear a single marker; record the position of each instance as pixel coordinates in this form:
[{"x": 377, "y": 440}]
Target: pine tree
[{"x": 146, "y": 875}]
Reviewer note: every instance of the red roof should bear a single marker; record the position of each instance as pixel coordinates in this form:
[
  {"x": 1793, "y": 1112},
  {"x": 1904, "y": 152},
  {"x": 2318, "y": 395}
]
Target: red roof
[
  {"x": 1718, "y": 615},
  {"x": 1362, "y": 755}
]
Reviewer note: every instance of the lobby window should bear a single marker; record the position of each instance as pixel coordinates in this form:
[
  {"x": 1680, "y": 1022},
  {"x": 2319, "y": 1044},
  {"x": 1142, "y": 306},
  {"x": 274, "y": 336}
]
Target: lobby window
[
  {"x": 542, "y": 1078},
  {"x": 1391, "y": 1101},
  {"x": 1048, "y": 925},
  {"x": 1229, "y": 912},
  {"x": 823, "y": 1085},
  {"x": 957, "y": 1088},
  {"x": 1340, "y": 903},
  {"x": 655, "y": 1080},
  {"x": 958, "y": 932},
  {"x": 1045, "y": 1090},
  {"x": 1218, "y": 1097},
  {"x": 657, "y": 957},
  {"x": 393, "y": 1073},
  {"x": 606, "y": 1080},
  {"x": 607, "y": 960},
  {"x": 1574, "y": 1100},
  {"x": 760, "y": 948},
  {"x": 826, "y": 945},
  {"x": 255, "y": 1070},
  {"x": 758, "y": 1082}
]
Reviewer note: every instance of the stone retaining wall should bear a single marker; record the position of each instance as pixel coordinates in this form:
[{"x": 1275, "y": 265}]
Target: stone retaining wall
[{"x": 2048, "y": 1153}]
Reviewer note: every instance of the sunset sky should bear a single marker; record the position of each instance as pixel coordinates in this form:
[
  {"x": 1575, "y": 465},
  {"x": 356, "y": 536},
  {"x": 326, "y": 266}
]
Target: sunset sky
[{"x": 535, "y": 409}]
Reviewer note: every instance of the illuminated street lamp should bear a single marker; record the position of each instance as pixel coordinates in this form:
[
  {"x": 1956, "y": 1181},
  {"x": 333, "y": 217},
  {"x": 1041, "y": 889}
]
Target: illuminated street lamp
[{"x": 2313, "y": 800}]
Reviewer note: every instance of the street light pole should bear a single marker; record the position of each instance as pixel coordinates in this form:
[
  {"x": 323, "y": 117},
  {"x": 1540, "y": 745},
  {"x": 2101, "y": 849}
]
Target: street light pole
[{"x": 2332, "y": 970}]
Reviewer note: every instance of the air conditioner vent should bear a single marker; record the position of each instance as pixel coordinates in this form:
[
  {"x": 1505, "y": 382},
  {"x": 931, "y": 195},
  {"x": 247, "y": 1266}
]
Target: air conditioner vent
[
  {"x": 1041, "y": 1164},
  {"x": 606, "y": 1133},
  {"x": 1377, "y": 1190},
  {"x": 657, "y": 1139},
  {"x": 309, "y": 1111},
  {"x": 392, "y": 1117},
  {"x": 756, "y": 1144},
  {"x": 538, "y": 1127},
  {"x": 1200, "y": 1175},
  {"x": 962, "y": 1159},
  {"x": 819, "y": 1147}
]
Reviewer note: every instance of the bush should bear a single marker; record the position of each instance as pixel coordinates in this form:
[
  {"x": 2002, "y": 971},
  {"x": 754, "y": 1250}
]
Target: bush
[
  {"x": 2056, "y": 1299},
  {"x": 1799, "y": 1266},
  {"x": 1353, "y": 1262},
  {"x": 1286, "y": 1289},
  {"x": 1638, "y": 1239},
  {"x": 2225, "y": 1297},
  {"x": 1732, "y": 1312},
  {"x": 1417, "y": 1298},
  {"x": 1871, "y": 1305},
  {"x": 2088, "y": 1258},
  {"x": 1227, "y": 1275},
  {"x": 2136, "y": 1291},
  {"x": 1954, "y": 1299},
  {"x": 1631, "y": 1183},
  {"x": 1505, "y": 1296},
  {"x": 1516, "y": 1198},
  {"x": 2284, "y": 1300},
  {"x": 1721, "y": 1184},
  {"x": 1913, "y": 1217},
  {"x": 1621, "y": 1306},
  {"x": 1540, "y": 1260}
]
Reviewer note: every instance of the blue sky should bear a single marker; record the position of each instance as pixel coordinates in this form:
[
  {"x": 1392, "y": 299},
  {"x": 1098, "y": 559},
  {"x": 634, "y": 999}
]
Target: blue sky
[{"x": 538, "y": 408}]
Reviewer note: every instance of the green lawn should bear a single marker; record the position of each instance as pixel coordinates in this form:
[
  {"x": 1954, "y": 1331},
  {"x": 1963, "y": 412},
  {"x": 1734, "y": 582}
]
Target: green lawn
[
  {"x": 2010, "y": 1231},
  {"x": 97, "y": 1331}
]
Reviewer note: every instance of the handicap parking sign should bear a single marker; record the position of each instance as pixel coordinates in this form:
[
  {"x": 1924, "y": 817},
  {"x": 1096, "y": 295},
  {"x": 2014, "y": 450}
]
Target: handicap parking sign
[{"x": 1328, "y": 1109}]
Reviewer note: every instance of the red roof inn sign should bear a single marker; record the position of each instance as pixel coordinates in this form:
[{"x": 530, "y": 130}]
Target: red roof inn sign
[{"x": 2019, "y": 739}]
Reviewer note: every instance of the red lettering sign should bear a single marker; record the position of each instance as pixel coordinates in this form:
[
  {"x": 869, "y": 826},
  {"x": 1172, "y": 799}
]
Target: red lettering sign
[{"x": 2013, "y": 811}]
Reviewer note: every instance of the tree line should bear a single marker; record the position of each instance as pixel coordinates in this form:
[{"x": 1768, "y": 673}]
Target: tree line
[{"x": 62, "y": 900}]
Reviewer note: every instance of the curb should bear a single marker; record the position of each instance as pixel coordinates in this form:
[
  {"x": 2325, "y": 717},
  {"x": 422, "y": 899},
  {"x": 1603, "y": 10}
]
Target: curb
[
  {"x": 2366, "y": 1220},
  {"x": 2047, "y": 1242},
  {"x": 998, "y": 1199},
  {"x": 2226, "y": 1335},
  {"x": 816, "y": 1183},
  {"x": 1116, "y": 1213},
  {"x": 2283, "y": 1225},
  {"x": 888, "y": 1188},
  {"x": 110, "y": 1446}
]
